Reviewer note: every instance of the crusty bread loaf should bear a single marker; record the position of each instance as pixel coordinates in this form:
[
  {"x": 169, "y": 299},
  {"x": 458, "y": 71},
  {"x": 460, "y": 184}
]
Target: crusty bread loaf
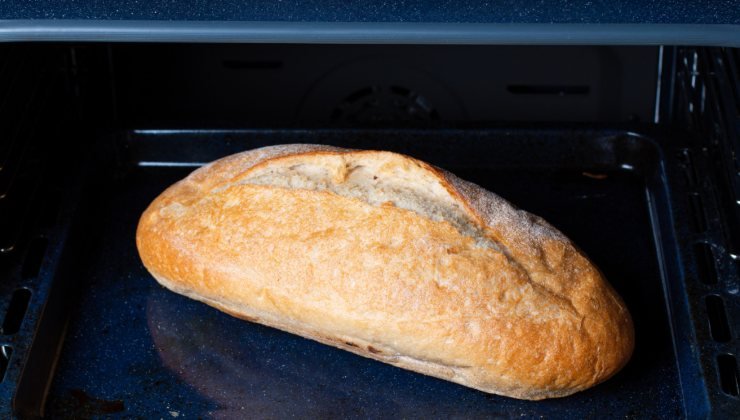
[{"x": 390, "y": 258}]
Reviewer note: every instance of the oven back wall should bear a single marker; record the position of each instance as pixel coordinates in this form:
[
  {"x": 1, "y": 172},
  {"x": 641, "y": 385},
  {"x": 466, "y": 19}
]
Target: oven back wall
[{"x": 169, "y": 86}]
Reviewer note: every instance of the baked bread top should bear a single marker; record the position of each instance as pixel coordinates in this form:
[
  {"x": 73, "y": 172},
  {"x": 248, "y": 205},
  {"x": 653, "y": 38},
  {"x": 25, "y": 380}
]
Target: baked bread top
[{"x": 391, "y": 258}]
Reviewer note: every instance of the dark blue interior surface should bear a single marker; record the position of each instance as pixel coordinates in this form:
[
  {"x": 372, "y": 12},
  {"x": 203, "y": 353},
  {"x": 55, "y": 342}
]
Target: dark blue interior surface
[
  {"x": 506, "y": 11},
  {"x": 136, "y": 349}
]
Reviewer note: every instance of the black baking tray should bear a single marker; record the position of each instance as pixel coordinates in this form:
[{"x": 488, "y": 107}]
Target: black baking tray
[{"x": 135, "y": 349}]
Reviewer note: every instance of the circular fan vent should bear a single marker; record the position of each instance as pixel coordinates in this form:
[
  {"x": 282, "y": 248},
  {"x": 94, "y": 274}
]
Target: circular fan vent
[
  {"x": 384, "y": 104},
  {"x": 380, "y": 89}
]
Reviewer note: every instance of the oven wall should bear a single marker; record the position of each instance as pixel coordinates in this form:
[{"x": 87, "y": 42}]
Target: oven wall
[{"x": 339, "y": 85}]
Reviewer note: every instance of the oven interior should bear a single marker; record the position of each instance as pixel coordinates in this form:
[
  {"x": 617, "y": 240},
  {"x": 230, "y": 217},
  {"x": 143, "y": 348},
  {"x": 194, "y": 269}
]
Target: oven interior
[{"x": 632, "y": 152}]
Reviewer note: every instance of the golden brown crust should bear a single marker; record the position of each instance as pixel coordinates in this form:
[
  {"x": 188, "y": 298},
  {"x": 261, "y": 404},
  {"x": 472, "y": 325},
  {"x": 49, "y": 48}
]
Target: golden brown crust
[{"x": 533, "y": 319}]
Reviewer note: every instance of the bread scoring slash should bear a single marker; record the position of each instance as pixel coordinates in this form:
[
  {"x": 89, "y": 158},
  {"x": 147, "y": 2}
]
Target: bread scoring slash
[{"x": 390, "y": 258}]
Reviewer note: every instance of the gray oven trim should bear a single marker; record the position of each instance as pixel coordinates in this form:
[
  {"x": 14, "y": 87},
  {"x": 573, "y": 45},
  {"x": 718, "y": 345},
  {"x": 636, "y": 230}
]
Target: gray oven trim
[{"x": 368, "y": 33}]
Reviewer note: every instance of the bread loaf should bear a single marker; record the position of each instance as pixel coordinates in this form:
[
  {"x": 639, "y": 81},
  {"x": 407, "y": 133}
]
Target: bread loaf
[{"x": 393, "y": 259}]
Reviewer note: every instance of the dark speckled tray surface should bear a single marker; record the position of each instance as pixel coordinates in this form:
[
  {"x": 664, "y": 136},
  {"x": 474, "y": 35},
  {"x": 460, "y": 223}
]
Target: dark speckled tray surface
[{"x": 136, "y": 349}]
